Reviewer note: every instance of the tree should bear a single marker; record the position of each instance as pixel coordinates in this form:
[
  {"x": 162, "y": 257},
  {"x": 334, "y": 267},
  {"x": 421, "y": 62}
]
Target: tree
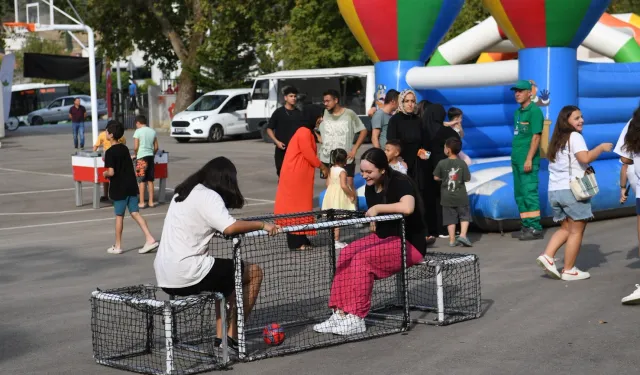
[
  {"x": 472, "y": 12},
  {"x": 316, "y": 37},
  {"x": 624, "y": 6},
  {"x": 6, "y": 15}
]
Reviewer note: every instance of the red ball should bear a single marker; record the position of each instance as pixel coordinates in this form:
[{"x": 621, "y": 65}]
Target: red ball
[{"x": 273, "y": 334}]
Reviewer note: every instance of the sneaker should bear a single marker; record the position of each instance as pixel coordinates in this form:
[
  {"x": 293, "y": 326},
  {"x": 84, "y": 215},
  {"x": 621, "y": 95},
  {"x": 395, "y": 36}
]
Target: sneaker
[
  {"x": 113, "y": 250},
  {"x": 464, "y": 241},
  {"x": 327, "y": 325},
  {"x": 532, "y": 234},
  {"x": 148, "y": 247},
  {"x": 574, "y": 274},
  {"x": 549, "y": 266},
  {"x": 349, "y": 325},
  {"x": 340, "y": 245},
  {"x": 444, "y": 236},
  {"x": 453, "y": 244},
  {"x": 519, "y": 233},
  {"x": 232, "y": 347},
  {"x": 633, "y": 298}
]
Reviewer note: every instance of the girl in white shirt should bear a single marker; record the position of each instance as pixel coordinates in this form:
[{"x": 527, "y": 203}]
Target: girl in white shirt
[
  {"x": 568, "y": 158},
  {"x": 184, "y": 265}
]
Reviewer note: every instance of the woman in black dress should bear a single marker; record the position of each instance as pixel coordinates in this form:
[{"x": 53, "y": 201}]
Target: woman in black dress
[
  {"x": 433, "y": 117},
  {"x": 406, "y": 126}
]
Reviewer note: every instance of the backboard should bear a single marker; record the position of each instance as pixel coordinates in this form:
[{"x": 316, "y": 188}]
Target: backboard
[{"x": 38, "y": 12}]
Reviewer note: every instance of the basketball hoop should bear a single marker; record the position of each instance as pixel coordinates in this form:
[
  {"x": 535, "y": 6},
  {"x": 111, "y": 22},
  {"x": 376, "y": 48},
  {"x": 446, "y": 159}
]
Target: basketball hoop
[{"x": 19, "y": 27}]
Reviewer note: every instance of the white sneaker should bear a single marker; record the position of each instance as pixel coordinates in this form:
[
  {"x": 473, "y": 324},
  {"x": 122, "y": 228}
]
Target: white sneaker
[
  {"x": 340, "y": 245},
  {"x": 443, "y": 236},
  {"x": 633, "y": 298},
  {"x": 549, "y": 266},
  {"x": 349, "y": 325},
  {"x": 327, "y": 325},
  {"x": 148, "y": 247},
  {"x": 113, "y": 250},
  {"x": 574, "y": 274}
]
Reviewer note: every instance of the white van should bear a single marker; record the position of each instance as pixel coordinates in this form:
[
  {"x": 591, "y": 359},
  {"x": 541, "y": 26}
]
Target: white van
[
  {"x": 356, "y": 86},
  {"x": 213, "y": 116}
]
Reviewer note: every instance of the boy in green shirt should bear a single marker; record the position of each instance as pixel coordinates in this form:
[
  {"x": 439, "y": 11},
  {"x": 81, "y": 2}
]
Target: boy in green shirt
[
  {"x": 145, "y": 146},
  {"x": 525, "y": 160}
]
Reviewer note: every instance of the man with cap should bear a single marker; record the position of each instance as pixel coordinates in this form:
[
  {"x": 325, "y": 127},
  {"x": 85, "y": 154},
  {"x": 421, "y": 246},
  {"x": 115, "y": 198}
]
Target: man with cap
[{"x": 525, "y": 160}]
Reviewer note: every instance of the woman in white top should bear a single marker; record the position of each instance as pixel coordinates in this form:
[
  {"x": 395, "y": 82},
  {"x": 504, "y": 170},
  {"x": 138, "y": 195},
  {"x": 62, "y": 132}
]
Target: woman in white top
[
  {"x": 184, "y": 265},
  {"x": 629, "y": 152},
  {"x": 568, "y": 158}
]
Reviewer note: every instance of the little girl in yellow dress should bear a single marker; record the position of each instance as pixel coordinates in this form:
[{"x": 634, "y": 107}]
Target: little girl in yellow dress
[{"x": 339, "y": 195}]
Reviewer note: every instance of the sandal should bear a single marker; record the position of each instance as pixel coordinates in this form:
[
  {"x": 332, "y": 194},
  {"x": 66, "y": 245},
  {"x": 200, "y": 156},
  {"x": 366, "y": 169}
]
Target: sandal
[
  {"x": 431, "y": 240},
  {"x": 142, "y": 207},
  {"x": 303, "y": 248}
]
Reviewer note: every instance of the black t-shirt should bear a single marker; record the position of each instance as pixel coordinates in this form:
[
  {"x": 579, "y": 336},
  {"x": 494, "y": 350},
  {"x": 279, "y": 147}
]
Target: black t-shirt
[
  {"x": 284, "y": 123},
  {"x": 415, "y": 228},
  {"x": 123, "y": 183}
]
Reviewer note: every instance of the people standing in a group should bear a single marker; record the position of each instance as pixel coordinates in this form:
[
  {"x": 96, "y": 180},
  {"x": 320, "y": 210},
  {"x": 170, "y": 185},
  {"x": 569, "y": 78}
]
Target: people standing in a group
[
  {"x": 339, "y": 195},
  {"x": 433, "y": 116},
  {"x": 380, "y": 119},
  {"x": 77, "y": 115},
  {"x": 283, "y": 124},
  {"x": 525, "y": 160},
  {"x": 569, "y": 158},
  {"x": 145, "y": 147},
  {"x": 337, "y": 130},
  {"x": 453, "y": 175}
]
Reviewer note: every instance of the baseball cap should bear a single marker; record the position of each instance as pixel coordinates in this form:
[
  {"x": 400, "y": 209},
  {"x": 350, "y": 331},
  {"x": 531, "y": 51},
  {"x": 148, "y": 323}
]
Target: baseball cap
[{"x": 522, "y": 85}]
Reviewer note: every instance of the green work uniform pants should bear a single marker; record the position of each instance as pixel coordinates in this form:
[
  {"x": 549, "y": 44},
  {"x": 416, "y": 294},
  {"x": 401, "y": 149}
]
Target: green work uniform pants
[{"x": 525, "y": 188}]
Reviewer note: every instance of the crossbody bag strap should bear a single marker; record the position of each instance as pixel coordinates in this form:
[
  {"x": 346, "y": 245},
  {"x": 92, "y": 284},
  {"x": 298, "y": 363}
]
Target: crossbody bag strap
[{"x": 569, "y": 155}]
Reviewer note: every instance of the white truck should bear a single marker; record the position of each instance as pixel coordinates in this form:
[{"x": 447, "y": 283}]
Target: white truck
[{"x": 356, "y": 86}]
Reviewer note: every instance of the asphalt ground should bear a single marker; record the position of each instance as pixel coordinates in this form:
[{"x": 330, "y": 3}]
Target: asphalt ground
[{"x": 53, "y": 254}]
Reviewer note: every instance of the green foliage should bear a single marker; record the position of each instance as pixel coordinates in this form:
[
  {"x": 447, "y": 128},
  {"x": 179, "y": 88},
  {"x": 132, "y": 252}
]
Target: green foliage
[
  {"x": 471, "y": 13},
  {"x": 624, "y": 6},
  {"x": 316, "y": 37}
]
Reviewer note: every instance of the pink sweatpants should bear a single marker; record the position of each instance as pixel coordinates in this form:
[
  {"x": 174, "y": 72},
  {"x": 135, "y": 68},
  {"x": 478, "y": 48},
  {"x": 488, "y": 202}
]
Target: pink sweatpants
[{"x": 360, "y": 264}]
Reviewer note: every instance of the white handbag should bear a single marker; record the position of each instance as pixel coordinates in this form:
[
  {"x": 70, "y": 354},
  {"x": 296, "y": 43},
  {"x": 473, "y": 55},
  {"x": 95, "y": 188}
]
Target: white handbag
[{"x": 585, "y": 187}]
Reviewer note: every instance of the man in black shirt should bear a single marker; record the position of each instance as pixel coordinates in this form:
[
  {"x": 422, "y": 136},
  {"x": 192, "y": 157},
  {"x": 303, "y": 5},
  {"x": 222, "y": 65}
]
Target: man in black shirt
[
  {"x": 77, "y": 115},
  {"x": 123, "y": 188},
  {"x": 283, "y": 124}
]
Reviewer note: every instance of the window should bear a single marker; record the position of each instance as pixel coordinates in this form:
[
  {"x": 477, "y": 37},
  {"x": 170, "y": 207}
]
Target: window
[
  {"x": 237, "y": 103},
  {"x": 56, "y": 103},
  {"x": 207, "y": 103},
  {"x": 261, "y": 90}
]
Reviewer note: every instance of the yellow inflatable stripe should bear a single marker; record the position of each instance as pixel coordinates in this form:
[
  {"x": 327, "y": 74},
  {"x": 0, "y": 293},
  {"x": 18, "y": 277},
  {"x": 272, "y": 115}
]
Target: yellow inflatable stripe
[
  {"x": 484, "y": 58},
  {"x": 350, "y": 16},
  {"x": 497, "y": 11},
  {"x": 634, "y": 19}
]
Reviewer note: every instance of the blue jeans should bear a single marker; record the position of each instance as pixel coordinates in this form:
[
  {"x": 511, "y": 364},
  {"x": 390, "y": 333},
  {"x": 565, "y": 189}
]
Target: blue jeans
[
  {"x": 78, "y": 129},
  {"x": 564, "y": 204}
]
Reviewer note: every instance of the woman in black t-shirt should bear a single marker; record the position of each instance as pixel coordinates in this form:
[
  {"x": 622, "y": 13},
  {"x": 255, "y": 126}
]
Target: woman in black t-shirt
[{"x": 378, "y": 255}]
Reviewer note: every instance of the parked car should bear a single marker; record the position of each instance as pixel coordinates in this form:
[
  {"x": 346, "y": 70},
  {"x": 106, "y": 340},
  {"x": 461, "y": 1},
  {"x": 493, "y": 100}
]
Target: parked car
[
  {"x": 58, "y": 110},
  {"x": 213, "y": 116}
]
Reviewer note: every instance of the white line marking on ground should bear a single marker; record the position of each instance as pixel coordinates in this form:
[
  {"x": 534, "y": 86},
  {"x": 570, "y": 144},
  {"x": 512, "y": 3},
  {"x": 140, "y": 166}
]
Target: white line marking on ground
[
  {"x": 69, "y": 222},
  {"x": 40, "y": 191},
  {"x": 33, "y": 172}
]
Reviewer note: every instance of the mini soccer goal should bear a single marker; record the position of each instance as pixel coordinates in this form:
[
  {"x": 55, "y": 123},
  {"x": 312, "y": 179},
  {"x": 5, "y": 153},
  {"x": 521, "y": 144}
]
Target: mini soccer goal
[{"x": 134, "y": 330}]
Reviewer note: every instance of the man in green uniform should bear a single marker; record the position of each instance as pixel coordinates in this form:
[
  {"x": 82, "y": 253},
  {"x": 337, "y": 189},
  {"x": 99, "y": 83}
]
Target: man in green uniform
[{"x": 525, "y": 160}]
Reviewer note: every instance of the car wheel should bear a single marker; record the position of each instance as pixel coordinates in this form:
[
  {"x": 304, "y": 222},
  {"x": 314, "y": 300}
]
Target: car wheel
[
  {"x": 183, "y": 140},
  {"x": 216, "y": 133},
  {"x": 37, "y": 120},
  {"x": 12, "y": 125},
  {"x": 264, "y": 135}
]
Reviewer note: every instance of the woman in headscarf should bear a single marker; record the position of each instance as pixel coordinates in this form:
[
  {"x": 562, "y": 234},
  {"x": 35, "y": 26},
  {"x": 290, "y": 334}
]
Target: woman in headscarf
[
  {"x": 406, "y": 127},
  {"x": 295, "y": 189},
  {"x": 433, "y": 116}
]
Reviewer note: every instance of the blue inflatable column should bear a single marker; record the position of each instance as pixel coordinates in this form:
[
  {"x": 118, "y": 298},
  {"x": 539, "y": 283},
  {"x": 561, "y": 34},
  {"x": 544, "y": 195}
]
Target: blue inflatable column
[
  {"x": 392, "y": 75},
  {"x": 554, "y": 69}
]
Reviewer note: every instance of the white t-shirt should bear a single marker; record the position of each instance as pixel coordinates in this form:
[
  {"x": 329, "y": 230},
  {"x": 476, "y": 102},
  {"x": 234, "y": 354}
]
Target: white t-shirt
[
  {"x": 633, "y": 172},
  {"x": 183, "y": 259},
  {"x": 559, "y": 176}
]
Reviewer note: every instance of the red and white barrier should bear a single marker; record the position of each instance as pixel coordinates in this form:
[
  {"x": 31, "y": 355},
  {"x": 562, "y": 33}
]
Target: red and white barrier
[{"x": 90, "y": 168}]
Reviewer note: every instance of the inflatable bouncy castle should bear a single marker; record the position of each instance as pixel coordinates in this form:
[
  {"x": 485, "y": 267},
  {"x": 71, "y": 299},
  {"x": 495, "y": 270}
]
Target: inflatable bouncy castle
[{"x": 532, "y": 40}]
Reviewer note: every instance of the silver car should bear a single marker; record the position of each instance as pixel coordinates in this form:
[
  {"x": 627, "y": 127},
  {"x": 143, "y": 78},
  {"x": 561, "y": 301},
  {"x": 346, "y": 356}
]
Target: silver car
[{"x": 58, "y": 110}]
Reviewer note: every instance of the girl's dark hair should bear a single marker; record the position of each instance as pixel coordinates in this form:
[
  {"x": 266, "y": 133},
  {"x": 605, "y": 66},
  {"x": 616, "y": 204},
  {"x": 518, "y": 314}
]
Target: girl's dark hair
[
  {"x": 378, "y": 158},
  {"x": 338, "y": 156},
  {"x": 454, "y": 112},
  {"x": 219, "y": 175},
  {"x": 562, "y": 132},
  {"x": 632, "y": 139},
  {"x": 422, "y": 107}
]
